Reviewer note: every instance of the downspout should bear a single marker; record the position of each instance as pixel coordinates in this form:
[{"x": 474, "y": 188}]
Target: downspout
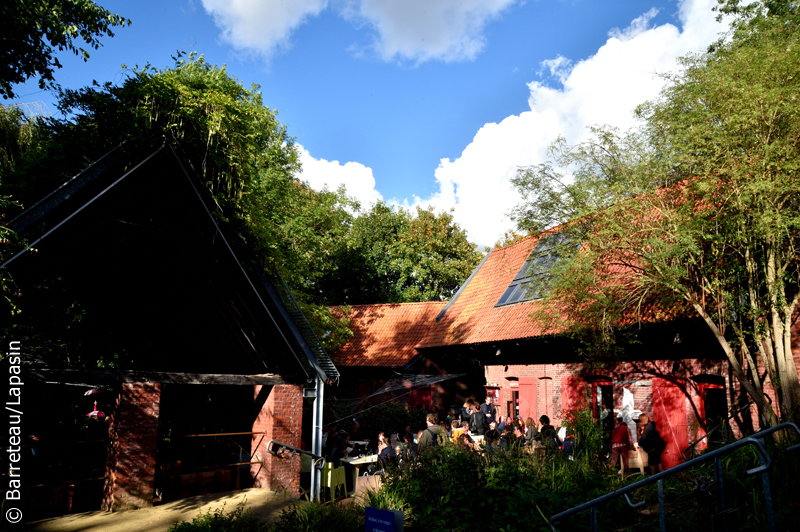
[{"x": 316, "y": 438}]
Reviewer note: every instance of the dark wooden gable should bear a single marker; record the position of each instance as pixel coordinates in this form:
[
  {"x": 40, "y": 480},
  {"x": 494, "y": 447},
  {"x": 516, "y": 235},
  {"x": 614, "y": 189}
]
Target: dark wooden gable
[{"x": 133, "y": 243}]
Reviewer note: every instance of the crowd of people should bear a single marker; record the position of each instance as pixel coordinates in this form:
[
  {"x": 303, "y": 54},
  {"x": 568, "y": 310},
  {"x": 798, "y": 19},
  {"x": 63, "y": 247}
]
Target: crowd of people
[{"x": 478, "y": 427}]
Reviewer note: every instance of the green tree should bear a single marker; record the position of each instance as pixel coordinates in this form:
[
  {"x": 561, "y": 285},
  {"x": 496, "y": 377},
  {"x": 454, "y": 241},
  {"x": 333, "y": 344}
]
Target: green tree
[
  {"x": 696, "y": 214},
  {"x": 432, "y": 257},
  {"x": 32, "y": 31},
  {"x": 363, "y": 271},
  {"x": 393, "y": 256}
]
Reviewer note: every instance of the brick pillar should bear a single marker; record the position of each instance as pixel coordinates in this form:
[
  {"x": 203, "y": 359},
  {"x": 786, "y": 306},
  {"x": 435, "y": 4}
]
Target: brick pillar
[
  {"x": 131, "y": 461},
  {"x": 281, "y": 417}
]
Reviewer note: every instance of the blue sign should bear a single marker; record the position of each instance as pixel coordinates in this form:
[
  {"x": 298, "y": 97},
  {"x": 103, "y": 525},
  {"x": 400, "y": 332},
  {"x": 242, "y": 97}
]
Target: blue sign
[{"x": 378, "y": 520}]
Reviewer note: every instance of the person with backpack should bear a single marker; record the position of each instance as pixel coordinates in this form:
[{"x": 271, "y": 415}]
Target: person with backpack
[
  {"x": 477, "y": 421},
  {"x": 548, "y": 435},
  {"x": 652, "y": 443},
  {"x": 434, "y": 435}
]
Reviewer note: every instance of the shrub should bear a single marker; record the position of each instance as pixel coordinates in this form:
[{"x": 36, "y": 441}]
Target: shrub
[
  {"x": 314, "y": 516},
  {"x": 238, "y": 520}
]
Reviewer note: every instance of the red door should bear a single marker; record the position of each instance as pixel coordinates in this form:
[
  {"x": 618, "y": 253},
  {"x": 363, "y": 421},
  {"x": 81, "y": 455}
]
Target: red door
[
  {"x": 422, "y": 397},
  {"x": 669, "y": 413},
  {"x": 573, "y": 393},
  {"x": 527, "y": 397}
]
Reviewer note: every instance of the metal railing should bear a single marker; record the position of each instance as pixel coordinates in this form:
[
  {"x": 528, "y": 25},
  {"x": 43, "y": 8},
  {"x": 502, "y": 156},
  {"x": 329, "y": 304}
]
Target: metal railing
[
  {"x": 707, "y": 435},
  {"x": 284, "y": 450},
  {"x": 765, "y": 464}
]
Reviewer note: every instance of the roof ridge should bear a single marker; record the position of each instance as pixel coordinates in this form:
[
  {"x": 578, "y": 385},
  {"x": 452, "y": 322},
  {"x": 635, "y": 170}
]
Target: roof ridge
[
  {"x": 520, "y": 242},
  {"x": 393, "y": 304}
]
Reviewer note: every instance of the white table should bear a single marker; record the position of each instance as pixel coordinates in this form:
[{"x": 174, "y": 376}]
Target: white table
[{"x": 357, "y": 463}]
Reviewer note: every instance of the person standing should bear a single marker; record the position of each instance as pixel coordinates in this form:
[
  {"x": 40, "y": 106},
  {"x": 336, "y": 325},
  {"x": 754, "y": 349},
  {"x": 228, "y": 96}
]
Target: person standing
[
  {"x": 621, "y": 444},
  {"x": 432, "y": 436},
  {"x": 487, "y": 409},
  {"x": 477, "y": 421},
  {"x": 652, "y": 443}
]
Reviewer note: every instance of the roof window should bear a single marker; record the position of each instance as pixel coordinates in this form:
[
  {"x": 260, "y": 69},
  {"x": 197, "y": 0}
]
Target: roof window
[{"x": 534, "y": 278}]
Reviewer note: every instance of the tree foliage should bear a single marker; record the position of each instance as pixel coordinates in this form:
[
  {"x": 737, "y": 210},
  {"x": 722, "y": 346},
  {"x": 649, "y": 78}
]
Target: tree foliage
[
  {"x": 698, "y": 212},
  {"x": 394, "y": 256},
  {"x": 33, "y": 31}
]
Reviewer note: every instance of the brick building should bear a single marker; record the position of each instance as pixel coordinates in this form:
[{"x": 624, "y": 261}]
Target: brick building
[
  {"x": 675, "y": 371},
  {"x": 380, "y": 361},
  {"x": 194, "y": 338}
]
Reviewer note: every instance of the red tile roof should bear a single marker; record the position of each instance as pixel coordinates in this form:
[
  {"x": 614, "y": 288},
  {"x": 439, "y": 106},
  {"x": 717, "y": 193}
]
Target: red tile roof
[
  {"x": 385, "y": 335},
  {"x": 473, "y": 318}
]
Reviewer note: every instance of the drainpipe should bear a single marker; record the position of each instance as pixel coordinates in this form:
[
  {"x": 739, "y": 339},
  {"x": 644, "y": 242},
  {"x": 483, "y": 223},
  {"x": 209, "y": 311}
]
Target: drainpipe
[{"x": 316, "y": 438}]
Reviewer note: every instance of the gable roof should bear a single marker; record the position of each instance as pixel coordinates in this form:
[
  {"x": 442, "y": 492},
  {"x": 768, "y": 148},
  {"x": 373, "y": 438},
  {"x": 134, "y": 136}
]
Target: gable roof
[
  {"x": 137, "y": 240},
  {"x": 473, "y": 318},
  {"x": 385, "y": 335}
]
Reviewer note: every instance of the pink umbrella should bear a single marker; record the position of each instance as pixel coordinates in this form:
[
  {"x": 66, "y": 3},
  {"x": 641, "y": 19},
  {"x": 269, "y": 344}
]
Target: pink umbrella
[{"x": 96, "y": 413}]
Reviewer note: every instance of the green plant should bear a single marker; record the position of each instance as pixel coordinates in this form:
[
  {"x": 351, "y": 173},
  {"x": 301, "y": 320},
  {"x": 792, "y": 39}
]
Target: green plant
[
  {"x": 238, "y": 520},
  {"x": 386, "y": 500},
  {"x": 314, "y": 516}
]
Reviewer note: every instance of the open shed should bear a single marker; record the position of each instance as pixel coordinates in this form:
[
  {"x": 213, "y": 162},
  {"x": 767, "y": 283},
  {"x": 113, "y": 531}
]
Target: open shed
[{"x": 189, "y": 334}]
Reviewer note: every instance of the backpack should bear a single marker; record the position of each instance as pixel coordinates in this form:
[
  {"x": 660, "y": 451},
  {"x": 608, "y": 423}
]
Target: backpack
[
  {"x": 477, "y": 423},
  {"x": 550, "y": 437},
  {"x": 434, "y": 438}
]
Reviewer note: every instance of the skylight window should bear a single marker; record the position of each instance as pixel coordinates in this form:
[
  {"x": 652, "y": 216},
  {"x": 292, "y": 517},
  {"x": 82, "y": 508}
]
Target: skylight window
[{"x": 534, "y": 279}]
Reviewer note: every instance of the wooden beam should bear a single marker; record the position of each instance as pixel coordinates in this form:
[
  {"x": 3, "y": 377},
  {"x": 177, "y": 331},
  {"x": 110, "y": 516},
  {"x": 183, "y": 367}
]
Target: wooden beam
[{"x": 107, "y": 376}]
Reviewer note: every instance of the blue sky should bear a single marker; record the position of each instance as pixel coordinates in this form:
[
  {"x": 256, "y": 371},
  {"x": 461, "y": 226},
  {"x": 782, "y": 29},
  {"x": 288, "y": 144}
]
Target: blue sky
[{"x": 430, "y": 102}]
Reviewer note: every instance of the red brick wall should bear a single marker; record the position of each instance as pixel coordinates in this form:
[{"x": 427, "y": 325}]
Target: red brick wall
[
  {"x": 279, "y": 419},
  {"x": 131, "y": 461},
  {"x": 636, "y": 377}
]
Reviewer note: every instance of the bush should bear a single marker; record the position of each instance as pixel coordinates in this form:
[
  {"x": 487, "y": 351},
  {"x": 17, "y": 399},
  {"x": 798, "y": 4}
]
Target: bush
[
  {"x": 313, "y": 517},
  {"x": 238, "y": 520}
]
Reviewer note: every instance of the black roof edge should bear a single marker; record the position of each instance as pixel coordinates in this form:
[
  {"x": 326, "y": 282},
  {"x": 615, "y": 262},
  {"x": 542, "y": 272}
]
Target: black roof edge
[
  {"x": 413, "y": 361},
  {"x": 35, "y": 212},
  {"x": 53, "y": 200},
  {"x": 30, "y": 216},
  {"x": 309, "y": 342},
  {"x": 463, "y": 286}
]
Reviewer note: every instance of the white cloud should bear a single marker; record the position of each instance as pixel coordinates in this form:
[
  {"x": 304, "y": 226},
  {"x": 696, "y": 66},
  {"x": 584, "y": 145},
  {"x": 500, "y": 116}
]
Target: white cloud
[
  {"x": 421, "y": 30},
  {"x": 261, "y": 26},
  {"x": 602, "y": 89},
  {"x": 417, "y": 30},
  {"x": 356, "y": 177},
  {"x": 559, "y": 68}
]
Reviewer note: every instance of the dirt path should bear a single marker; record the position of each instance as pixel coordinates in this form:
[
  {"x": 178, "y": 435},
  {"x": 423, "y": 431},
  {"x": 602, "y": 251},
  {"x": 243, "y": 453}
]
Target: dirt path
[{"x": 265, "y": 504}]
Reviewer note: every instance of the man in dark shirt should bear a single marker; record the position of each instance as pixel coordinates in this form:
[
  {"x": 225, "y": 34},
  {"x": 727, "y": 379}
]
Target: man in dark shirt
[{"x": 488, "y": 409}]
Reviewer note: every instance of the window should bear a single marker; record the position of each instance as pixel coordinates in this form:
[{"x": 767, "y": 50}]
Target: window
[{"x": 534, "y": 280}]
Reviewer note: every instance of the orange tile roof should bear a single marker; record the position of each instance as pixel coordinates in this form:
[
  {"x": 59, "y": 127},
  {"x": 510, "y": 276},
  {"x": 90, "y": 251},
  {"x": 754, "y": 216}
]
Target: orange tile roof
[
  {"x": 385, "y": 335},
  {"x": 473, "y": 318}
]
